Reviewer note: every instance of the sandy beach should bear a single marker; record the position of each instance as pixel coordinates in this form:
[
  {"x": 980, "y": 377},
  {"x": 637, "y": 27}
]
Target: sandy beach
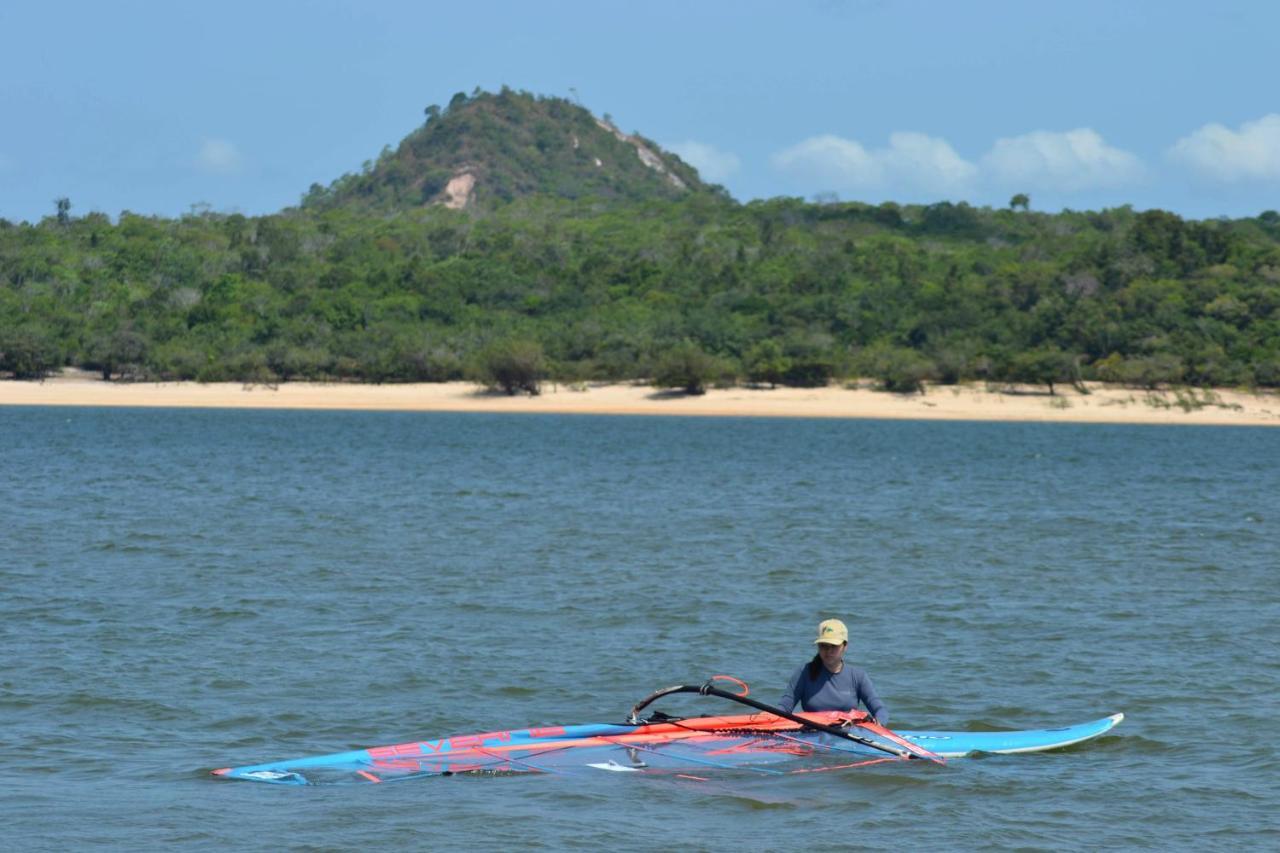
[{"x": 1104, "y": 404}]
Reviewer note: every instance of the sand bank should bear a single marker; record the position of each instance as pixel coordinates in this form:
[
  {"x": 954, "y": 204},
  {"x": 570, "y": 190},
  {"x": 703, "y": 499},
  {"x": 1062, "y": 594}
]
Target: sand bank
[{"x": 1104, "y": 404}]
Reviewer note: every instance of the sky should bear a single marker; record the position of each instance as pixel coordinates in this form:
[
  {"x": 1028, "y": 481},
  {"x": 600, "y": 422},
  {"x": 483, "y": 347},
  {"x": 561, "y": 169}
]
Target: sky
[{"x": 170, "y": 106}]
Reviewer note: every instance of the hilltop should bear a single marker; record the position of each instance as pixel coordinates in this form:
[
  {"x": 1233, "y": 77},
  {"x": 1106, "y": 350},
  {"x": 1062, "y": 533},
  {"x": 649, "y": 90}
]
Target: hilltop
[{"x": 487, "y": 149}]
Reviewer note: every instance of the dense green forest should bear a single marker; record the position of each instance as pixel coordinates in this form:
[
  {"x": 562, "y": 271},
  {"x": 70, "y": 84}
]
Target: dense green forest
[{"x": 568, "y": 265}]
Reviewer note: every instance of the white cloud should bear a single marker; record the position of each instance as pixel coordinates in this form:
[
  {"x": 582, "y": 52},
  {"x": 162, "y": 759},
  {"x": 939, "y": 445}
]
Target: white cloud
[
  {"x": 712, "y": 164},
  {"x": 1071, "y": 161},
  {"x": 1217, "y": 152},
  {"x": 926, "y": 160},
  {"x": 831, "y": 158},
  {"x": 911, "y": 159},
  {"x": 219, "y": 156}
]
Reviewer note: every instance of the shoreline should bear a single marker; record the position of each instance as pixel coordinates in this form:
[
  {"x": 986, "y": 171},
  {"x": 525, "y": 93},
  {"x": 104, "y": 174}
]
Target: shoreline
[{"x": 973, "y": 402}]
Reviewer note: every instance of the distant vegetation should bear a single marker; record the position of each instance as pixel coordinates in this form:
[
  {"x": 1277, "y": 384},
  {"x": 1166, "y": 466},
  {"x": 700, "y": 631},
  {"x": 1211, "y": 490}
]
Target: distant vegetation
[
  {"x": 563, "y": 269},
  {"x": 515, "y": 145}
]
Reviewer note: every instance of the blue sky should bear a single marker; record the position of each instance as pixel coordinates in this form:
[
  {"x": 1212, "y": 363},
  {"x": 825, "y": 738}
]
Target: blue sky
[{"x": 157, "y": 106}]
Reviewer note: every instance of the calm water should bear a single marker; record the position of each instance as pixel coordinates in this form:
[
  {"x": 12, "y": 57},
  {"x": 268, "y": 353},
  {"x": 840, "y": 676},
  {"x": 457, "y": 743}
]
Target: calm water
[{"x": 183, "y": 590}]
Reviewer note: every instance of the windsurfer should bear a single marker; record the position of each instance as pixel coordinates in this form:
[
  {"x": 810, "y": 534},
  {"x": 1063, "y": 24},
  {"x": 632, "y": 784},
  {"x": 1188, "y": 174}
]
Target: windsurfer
[{"x": 827, "y": 683}]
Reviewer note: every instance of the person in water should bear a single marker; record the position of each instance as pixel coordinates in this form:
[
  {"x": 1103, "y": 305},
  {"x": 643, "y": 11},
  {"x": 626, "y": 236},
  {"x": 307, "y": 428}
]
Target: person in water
[{"x": 827, "y": 683}]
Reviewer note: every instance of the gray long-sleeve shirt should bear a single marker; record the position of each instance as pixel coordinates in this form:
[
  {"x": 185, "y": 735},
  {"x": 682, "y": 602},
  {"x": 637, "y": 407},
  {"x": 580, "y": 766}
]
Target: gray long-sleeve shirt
[{"x": 843, "y": 691}]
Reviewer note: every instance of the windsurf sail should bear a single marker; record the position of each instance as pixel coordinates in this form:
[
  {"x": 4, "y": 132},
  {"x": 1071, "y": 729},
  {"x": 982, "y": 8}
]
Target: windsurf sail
[{"x": 768, "y": 742}]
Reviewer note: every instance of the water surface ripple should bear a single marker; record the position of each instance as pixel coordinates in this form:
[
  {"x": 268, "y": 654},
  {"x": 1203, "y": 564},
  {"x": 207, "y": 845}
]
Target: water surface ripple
[{"x": 183, "y": 590}]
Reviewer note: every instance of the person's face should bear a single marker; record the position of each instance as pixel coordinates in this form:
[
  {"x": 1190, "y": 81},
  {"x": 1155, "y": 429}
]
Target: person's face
[{"x": 831, "y": 654}]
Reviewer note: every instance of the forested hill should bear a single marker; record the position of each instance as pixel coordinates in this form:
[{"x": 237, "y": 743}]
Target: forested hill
[
  {"x": 558, "y": 267},
  {"x": 488, "y": 149}
]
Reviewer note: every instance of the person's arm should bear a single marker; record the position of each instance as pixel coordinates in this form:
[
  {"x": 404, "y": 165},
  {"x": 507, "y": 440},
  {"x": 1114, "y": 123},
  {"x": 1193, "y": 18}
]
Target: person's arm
[
  {"x": 871, "y": 701},
  {"x": 792, "y": 694}
]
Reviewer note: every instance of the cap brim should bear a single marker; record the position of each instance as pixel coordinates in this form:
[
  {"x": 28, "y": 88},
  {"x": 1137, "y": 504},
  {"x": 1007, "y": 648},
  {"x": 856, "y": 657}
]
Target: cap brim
[{"x": 824, "y": 641}]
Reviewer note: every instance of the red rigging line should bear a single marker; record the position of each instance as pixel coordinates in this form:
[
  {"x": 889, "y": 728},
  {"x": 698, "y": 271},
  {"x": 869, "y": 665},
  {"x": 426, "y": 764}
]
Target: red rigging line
[{"x": 746, "y": 691}]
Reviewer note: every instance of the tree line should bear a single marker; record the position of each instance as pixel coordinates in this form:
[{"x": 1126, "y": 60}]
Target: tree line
[{"x": 688, "y": 292}]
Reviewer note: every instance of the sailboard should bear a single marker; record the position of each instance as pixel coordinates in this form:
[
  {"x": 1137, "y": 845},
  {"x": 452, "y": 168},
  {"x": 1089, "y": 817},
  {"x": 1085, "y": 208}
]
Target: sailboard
[{"x": 771, "y": 742}]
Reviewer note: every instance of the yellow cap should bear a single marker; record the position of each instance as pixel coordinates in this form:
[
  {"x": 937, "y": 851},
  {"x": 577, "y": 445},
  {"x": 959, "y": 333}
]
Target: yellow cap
[{"x": 832, "y": 631}]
